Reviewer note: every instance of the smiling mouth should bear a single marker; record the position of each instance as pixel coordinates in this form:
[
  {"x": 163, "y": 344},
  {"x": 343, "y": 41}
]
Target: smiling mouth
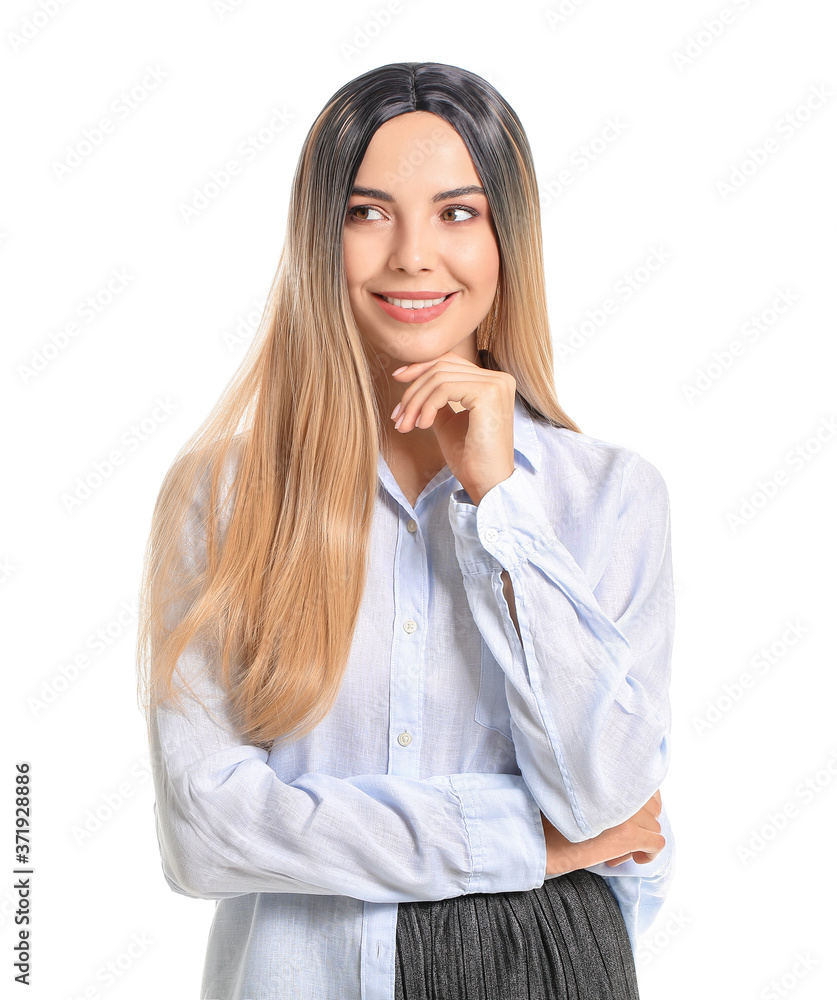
[{"x": 414, "y": 303}]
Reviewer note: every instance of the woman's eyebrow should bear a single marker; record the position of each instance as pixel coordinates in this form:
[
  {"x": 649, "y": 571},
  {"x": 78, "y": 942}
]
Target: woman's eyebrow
[{"x": 380, "y": 195}]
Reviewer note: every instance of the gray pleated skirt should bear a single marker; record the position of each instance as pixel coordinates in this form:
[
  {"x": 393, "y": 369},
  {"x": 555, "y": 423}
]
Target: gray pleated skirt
[{"x": 565, "y": 940}]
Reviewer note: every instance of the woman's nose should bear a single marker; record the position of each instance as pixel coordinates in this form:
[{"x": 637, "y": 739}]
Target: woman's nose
[{"x": 414, "y": 247}]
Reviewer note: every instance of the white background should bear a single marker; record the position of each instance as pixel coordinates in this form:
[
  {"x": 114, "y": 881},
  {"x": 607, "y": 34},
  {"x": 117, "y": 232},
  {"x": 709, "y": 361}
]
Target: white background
[{"x": 694, "y": 105}]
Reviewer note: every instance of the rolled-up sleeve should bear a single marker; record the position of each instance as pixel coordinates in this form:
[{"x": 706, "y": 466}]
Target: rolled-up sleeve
[
  {"x": 227, "y": 825},
  {"x": 587, "y": 680}
]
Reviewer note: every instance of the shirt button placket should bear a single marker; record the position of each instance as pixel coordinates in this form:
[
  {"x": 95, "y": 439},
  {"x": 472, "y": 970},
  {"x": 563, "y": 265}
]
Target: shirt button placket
[
  {"x": 406, "y": 691},
  {"x": 407, "y": 679}
]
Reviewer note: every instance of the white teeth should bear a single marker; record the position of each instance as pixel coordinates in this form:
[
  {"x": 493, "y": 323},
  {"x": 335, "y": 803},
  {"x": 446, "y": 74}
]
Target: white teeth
[{"x": 414, "y": 303}]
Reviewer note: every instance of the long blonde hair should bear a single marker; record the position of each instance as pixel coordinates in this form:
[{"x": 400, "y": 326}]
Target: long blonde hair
[{"x": 259, "y": 535}]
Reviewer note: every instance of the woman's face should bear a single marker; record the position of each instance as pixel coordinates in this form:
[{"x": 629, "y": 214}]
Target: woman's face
[{"x": 411, "y": 229}]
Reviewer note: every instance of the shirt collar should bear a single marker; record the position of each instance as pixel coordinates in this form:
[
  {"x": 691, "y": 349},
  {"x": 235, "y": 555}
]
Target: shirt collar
[{"x": 525, "y": 436}]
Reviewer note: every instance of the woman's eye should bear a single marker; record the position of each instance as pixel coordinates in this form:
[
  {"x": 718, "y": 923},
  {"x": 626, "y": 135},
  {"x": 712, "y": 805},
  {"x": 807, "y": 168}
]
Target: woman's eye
[
  {"x": 470, "y": 212},
  {"x": 363, "y": 208}
]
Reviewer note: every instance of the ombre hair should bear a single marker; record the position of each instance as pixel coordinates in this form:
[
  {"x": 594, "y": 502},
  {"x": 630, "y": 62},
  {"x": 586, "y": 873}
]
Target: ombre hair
[{"x": 258, "y": 546}]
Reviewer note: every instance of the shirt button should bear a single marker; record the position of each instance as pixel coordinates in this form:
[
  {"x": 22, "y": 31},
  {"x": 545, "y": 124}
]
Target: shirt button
[
  {"x": 410, "y": 626},
  {"x": 405, "y": 739},
  {"x": 491, "y": 534},
  {"x": 411, "y": 525}
]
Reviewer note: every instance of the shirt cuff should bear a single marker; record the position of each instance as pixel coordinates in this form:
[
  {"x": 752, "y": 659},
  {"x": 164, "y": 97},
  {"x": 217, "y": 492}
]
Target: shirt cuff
[
  {"x": 504, "y": 828},
  {"x": 507, "y": 525}
]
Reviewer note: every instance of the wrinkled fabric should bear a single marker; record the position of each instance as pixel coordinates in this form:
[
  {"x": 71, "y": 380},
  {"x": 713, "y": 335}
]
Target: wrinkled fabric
[
  {"x": 565, "y": 940},
  {"x": 450, "y": 734}
]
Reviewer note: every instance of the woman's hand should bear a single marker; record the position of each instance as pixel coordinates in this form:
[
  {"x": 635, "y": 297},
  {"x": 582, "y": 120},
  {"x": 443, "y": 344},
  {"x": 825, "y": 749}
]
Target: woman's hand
[
  {"x": 639, "y": 836},
  {"x": 477, "y": 442}
]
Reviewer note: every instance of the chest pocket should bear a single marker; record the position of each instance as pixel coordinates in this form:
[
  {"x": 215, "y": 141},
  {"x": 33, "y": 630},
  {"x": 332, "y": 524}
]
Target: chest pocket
[{"x": 492, "y": 706}]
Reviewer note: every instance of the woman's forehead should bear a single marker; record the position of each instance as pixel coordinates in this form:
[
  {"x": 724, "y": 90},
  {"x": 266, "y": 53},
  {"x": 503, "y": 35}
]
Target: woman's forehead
[{"x": 417, "y": 147}]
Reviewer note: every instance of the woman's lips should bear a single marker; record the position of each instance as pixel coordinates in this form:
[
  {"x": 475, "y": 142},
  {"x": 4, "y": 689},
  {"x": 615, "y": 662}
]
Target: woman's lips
[{"x": 414, "y": 315}]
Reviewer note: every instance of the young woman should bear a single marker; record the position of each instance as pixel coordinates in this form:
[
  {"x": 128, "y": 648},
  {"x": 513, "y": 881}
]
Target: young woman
[{"x": 406, "y": 631}]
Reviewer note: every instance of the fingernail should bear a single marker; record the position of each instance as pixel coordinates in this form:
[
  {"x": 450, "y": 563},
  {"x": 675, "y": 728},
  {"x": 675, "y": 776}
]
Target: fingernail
[
  {"x": 395, "y": 412},
  {"x": 398, "y": 421},
  {"x": 401, "y": 369}
]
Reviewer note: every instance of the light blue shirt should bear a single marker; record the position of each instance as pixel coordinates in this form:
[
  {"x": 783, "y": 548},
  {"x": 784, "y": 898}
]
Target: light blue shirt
[{"x": 449, "y": 735}]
